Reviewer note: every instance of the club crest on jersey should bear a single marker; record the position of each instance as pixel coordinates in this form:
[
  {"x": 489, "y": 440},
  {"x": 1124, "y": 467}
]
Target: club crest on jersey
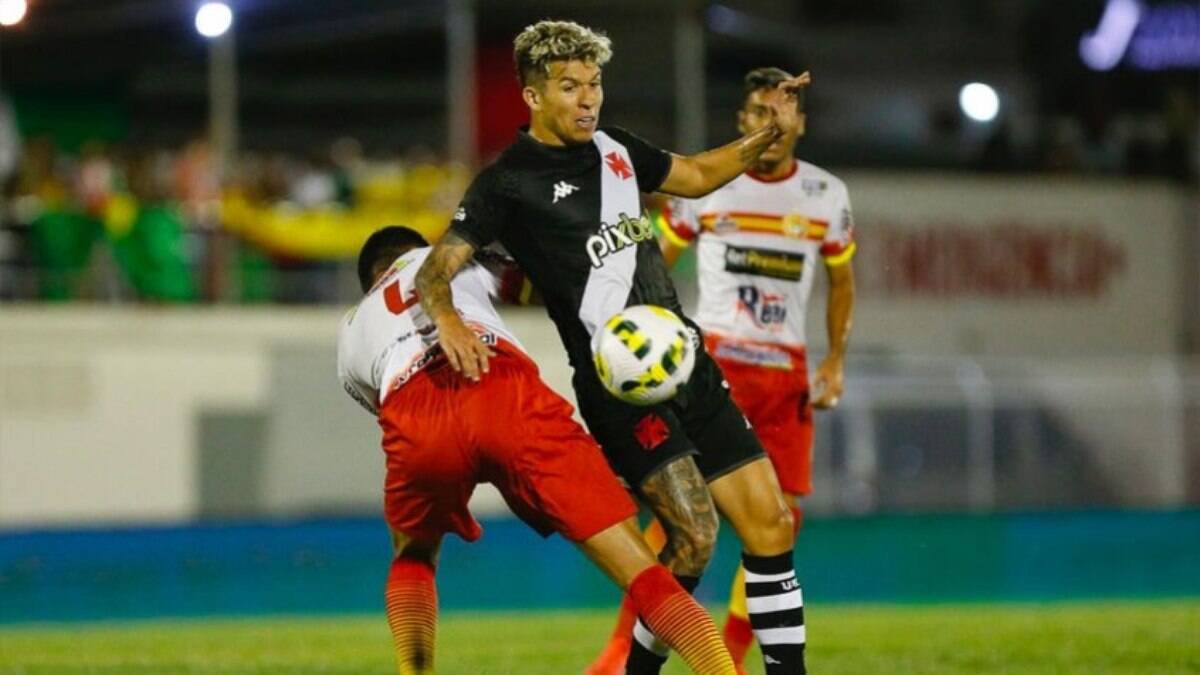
[
  {"x": 618, "y": 165},
  {"x": 616, "y": 237},
  {"x": 795, "y": 226},
  {"x": 725, "y": 224},
  {"x": 768, "y": 311}
]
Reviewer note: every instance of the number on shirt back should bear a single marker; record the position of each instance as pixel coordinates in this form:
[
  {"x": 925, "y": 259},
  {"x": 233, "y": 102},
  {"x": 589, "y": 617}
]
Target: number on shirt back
[{"x": 394, "y": 298}]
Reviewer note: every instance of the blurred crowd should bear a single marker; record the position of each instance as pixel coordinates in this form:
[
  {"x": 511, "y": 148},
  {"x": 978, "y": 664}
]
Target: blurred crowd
[
  {"x": 177, "y": 225},
  {"x": 1162, "y": 143},
  {"x": 181, "y": 224}
]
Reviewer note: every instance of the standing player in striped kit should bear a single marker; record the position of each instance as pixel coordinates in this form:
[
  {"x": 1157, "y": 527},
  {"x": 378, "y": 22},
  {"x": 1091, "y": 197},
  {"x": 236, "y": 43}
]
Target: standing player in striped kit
[{"x": 759, "y": 239}]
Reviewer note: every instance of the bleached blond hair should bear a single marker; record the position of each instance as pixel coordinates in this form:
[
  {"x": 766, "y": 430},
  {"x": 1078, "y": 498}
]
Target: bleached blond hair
[{"x": 547, "y": 41}]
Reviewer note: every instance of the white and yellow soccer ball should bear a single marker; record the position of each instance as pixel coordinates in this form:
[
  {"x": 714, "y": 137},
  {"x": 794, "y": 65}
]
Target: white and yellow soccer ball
[{"x": 644, "y": 354}]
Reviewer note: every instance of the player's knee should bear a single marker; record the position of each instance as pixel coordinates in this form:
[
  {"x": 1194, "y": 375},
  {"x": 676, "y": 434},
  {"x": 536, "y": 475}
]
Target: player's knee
[{"x": 775, "y": 532}]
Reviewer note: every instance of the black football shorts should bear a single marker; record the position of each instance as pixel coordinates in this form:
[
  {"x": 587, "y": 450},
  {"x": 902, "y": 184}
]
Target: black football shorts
[{"x": 702, "y": 420}]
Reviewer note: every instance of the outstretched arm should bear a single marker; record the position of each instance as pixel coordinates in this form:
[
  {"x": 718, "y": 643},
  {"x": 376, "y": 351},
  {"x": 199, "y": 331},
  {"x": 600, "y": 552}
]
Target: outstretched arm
[
  {"x": 698, "y": 175},
  {"x": 463, "y": 348}
]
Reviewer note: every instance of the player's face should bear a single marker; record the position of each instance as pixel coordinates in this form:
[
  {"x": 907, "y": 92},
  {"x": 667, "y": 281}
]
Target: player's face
[
  {"x": 755, "y": 113},
  {"x": 567, "y": 103}
]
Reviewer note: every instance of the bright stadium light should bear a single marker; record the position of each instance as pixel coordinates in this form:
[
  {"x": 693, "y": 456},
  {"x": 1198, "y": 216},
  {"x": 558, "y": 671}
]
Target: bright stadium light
[
  {"x": 1103, "y": 48},
  {"x": 12, "y": 11},
  {"x": 979, "y": 102},
  {"x": 213, "y": 19}
]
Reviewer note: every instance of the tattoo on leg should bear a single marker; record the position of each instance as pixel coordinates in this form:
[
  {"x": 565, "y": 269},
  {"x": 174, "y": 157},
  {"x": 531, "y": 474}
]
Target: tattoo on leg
[{"x": 679, "y": 496}]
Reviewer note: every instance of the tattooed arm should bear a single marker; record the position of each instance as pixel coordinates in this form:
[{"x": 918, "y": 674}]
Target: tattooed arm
[
  {"x": 680, "y": 499},
  {"x": 465, "y": 351},
  {"x": 698, "y": 175}
]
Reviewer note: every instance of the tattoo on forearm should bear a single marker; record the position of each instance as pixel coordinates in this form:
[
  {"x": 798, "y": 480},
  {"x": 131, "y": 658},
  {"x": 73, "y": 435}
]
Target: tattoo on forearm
[
  {"x": 679, "y": 496},
  {"x": 433, "y": 279}
]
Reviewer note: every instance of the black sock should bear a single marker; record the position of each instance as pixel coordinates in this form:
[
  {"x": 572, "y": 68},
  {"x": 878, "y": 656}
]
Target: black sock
[
  {"x": 776, "y": 608},
  {"x": 647, "y": 654}
]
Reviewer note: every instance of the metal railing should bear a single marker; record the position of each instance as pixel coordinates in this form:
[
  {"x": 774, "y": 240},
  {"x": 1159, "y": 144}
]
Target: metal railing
[{"x": 951, "y": 433}]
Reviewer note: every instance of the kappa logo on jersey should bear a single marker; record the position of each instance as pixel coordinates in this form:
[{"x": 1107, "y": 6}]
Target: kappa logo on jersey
[
  {"x": 618, "y": 165},
  {"x": 617, "y": 237},
  {"x": 764, "y": 263},
  {"x": 563, "y": 189},
  {"x": 460, "y": 215},
  {"x": 767, "y": 310}
]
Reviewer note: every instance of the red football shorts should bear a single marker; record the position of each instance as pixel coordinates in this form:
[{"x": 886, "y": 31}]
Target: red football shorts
[
  {"x": 770, "y": 385},
  {"x": 443, "y": 435}
]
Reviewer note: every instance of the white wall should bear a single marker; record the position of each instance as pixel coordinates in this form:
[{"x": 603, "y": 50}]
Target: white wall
[
  {"x": 951, "y": 264},
  {"x": 99, "y": 409},
  {"x": 99, "y": 406}
]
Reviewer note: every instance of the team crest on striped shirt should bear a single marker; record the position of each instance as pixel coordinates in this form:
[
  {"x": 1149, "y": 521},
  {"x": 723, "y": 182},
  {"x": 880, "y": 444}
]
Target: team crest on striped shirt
[
  {"x": 795, "y": 226},
  {"x": 724, "y": 224}
]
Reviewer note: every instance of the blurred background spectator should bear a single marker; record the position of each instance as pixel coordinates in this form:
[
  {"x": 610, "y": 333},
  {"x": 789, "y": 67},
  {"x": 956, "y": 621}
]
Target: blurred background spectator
[{"x": 348, "y": 117}]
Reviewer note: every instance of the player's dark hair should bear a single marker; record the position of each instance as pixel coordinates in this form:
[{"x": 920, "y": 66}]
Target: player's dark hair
[
  {"x": 383, "y": 247},
  {"x": 761, "y": 79}
]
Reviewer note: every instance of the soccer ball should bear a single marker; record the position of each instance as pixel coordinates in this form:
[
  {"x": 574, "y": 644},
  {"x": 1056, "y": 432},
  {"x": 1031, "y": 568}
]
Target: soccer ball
[{"x": 643, "y": 355}]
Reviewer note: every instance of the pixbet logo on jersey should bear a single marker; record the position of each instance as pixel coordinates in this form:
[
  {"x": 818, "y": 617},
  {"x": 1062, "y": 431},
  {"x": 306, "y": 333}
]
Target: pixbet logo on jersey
[
  {"x": 615, "y": 237},
  {"x": 767, "y": 310}
]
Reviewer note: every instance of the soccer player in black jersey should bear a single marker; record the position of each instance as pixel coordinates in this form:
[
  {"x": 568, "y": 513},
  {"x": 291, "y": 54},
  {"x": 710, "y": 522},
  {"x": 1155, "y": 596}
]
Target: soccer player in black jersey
[{"x": 564, "y": 201}]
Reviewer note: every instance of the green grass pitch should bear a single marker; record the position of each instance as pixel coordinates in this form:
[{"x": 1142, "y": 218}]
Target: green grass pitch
[{"x": 1159, "y": 638}]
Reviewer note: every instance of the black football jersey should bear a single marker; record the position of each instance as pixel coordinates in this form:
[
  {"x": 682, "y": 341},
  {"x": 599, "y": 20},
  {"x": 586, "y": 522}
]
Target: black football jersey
[{"x": 571, "y": 217}]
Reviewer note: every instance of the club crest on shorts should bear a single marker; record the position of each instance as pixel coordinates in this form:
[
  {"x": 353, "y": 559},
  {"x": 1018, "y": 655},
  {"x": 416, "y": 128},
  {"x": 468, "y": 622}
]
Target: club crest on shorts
[{"x": 651, "y": 431}]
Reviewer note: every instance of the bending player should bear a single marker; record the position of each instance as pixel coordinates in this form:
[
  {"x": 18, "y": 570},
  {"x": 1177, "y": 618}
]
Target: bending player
[
  {"x": 759, "y": 237},
  {"x": 442, "y": 435},
  {"x": 564, "y": 201}
]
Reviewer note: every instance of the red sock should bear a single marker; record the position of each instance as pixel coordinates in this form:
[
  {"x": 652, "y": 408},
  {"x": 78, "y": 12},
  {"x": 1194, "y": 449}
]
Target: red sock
[
  {"x": 675, "y": 618},
  {"x": 411, "y": 601},
  {"x": 738, "y": 637}
]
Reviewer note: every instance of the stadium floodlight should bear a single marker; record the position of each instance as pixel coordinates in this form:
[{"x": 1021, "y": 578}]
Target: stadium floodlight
[
  {"x": 1103, "y": 48},
  {"x": 213, "y": 19},
  {"x": 12, "y": 11},
  {"x": 979, "y": 101}
]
